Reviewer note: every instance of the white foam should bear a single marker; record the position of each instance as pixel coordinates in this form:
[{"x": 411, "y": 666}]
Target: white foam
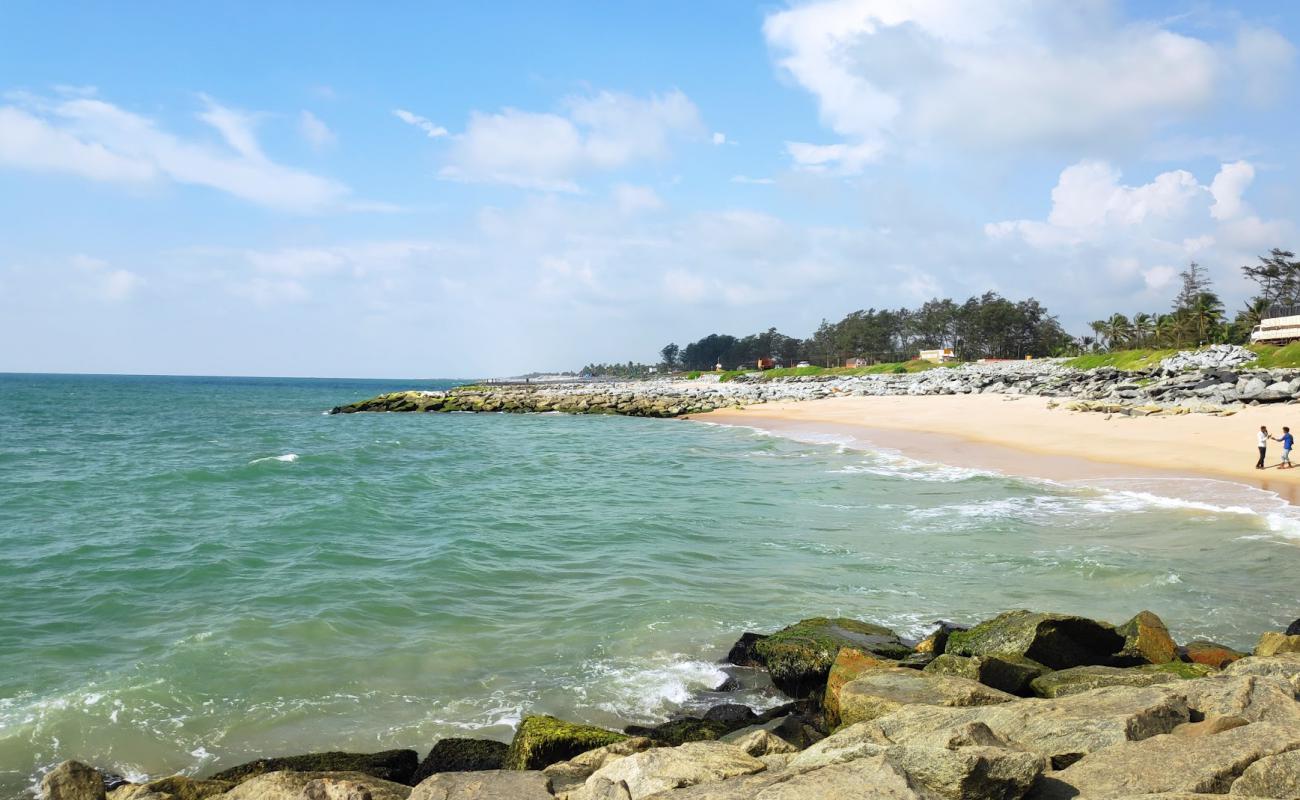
[
  {"x": 287, "y": 458},
  {"x": 649, "y": 691}
]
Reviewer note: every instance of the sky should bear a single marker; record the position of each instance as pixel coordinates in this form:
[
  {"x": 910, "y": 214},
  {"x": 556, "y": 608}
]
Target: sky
[{"x": 476, "y": 189}]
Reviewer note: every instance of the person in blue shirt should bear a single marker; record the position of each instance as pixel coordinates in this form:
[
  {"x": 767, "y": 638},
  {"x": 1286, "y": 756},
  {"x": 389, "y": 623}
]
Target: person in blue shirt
[{"x": 1287, "y": 440}]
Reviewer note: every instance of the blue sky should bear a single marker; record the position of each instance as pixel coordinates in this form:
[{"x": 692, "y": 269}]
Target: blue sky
[{"x": 478, "y": 189}]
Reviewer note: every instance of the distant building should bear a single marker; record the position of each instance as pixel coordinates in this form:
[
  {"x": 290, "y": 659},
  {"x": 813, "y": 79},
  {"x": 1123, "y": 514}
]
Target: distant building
[
  {"x": 938, "y": 356},
  {"x": 857, "y": 362},
  {"x": 803, "y": 364},
  {"x": 766, "y": 363}
]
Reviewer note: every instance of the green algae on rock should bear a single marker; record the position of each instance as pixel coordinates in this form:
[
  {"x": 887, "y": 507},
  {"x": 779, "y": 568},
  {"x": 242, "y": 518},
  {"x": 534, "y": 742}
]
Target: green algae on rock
[
  {"x": 1011, "y": 674},
  {"x": 799, "y": 657},
  {"x": 1058, "y": 641},
  {"x": 543, "y": 740},
  {"x": 391, "y": 765}
]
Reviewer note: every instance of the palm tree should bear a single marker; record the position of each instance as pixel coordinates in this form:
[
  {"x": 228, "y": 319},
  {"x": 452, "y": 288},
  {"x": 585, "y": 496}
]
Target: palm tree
[
  {"x": 1143, "y": 327},
  {"x": 1118, "y": 330},
  {"x": 1099, "y": 328},
  {"x": 1206, "y": 316},
  {"x": 1166, "y": 329}
]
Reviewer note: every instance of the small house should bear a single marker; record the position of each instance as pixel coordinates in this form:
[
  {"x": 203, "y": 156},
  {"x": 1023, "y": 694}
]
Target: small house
[
  {"x": 854, "y": 363},
  {"x": 939, "y": 356},
  {"x": 766, "y": 363}
]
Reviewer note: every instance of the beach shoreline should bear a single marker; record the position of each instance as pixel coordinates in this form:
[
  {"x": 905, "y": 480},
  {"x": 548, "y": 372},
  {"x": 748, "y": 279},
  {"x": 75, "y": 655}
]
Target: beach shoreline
[{"x": 1036, "y": 437}]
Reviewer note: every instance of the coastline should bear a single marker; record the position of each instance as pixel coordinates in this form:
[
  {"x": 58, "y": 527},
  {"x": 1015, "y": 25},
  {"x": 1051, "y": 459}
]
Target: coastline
[{"x": 1025, "y": 436}]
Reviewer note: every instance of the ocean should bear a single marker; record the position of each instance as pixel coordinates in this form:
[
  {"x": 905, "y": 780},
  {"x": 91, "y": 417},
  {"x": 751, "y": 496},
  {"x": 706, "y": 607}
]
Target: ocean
[{"x": 201, "y": 571}]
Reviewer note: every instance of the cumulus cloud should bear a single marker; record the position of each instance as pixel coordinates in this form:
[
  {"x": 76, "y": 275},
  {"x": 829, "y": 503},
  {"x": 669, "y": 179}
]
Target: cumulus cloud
[
  {"x": 100, "y": 141},
  {"x": 551, "y": 151},
  {"x": 1001, "y": 74},
  {"x": 430, "y": 128},
  {"x": 103, "y": 281},
  {"x": 315, "y": 131}
]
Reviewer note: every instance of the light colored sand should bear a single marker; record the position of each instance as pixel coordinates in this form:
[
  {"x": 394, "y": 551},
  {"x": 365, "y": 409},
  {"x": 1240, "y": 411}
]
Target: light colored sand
[{"x": 1023, "y": 436}]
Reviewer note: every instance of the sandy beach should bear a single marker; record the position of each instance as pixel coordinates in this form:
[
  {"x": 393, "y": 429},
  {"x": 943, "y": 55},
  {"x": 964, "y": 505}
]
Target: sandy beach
[{"x": 1023, "y": 436}]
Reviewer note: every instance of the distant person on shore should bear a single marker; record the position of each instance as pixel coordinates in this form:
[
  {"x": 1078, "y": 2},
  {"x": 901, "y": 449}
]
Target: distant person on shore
[
  {"x": 1263, "y": 446},
  {"x": 1287, "y": 440}
]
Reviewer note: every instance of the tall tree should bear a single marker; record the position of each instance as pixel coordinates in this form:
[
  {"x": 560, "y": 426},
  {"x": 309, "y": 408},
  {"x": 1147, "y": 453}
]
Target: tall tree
[{"x": 669, "y": 354}]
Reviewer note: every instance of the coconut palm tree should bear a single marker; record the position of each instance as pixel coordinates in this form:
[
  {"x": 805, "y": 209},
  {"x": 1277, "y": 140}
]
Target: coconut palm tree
[
  {"x": 1098, "y": 327},
  {"x": 1118, "y": 330},
  {"x": 1144, "y": 325}
]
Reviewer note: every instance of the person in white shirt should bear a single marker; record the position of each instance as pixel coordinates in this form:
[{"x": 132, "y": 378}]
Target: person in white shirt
[{"x": 1263, "y": 445}]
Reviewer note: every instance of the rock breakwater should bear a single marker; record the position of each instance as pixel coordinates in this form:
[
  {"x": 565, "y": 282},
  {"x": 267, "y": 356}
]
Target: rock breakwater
[
  {"x": 1023, "y": 706},
  {"x": 1209, "y": 381}
]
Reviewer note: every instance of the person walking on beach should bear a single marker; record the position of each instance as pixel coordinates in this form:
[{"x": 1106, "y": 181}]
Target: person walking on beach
[
  {"x": 1287, "y": 440},
  {"x": 1263, "y": 446}
]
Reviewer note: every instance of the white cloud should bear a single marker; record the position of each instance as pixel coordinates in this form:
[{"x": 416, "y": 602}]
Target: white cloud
[
  {"x": 432, "y": 130},
  {"x": 549, "y": 151},
  {"x": 315, "y": 131},
  {"x": 1002, "y": 74},
  {"x": 103, "y": 281},
  {"x": 100, "y": 141},
  {"x": 719, "y": 137},
  {"x": 633, "y": 199},
  {"x": 1228, "y": 187},
  {"x": 840, "y": 159},
  {"x": 754, "y": 181}
]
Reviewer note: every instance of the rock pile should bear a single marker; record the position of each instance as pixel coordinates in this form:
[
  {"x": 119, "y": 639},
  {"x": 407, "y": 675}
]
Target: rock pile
[
  {"x": 1207, "y": 380},
  {"x": 1027, "y": 705}
]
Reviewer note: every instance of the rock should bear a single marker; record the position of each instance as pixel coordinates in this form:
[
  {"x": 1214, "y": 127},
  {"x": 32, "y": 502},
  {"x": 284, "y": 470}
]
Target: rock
[
  {"x": 461, "y": 755},
  {"x": 486, "y": 785},
  {"x": 742, "y": 652},
  {"x": 135, "y": 791},
  {"x": 1057, "y": 641},
  {"x": 542, "y": 740},
  {"x": 1170, "y": 764},
  {"x": 1271, "y": 776},
  {"x": 1273, "y": 643},
  {"x": 1063, "y": 729},
  {"x": 665, "y": 768},
  {"x": 391, "y": 765},
  {"x": 729, "y": 684},
  {"x": 763, "y": 743},
  {"x": 1253, "y": 389},
  {"x": 565, "y": 775},
  {"x": 682, "y": 730},
  {"x": 1257, "y": 698},
  {"x": 969, "y": 773},
  {"x": 880, "y": 692},
  {"x": 796, "y": 729},
  {"x": 1293, "y": 629},
  {"x": 849, "y": 664},
  {"x": 1211, "y": 653},
  {"x": 731, "y": 714},
  {"x": 335, "y": 789},
  {"x": 938, "y": 640},
  {"x": 179, "y": 787},
  {"x": 1083, "y": 679},
  {"x": 1209, "y": 726},
  {"x": 1285, "y": 666},
  {"x": 1146, "y": 641},
  {"x": 1011, "y": 674},
  {"x": 72, "y": 780},
  {"x": 289, "y": 785},
  {"x": 799, "y": 657}
]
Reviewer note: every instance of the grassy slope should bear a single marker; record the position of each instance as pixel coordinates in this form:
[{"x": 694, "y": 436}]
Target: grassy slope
[
  {"x": 1270, "y": 357},
  {"x": 906, "y": 366}
]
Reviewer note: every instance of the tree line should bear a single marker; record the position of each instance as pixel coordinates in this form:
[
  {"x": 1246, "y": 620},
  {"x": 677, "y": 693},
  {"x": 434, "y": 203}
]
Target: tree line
[{"x": 1198, "y": 316}]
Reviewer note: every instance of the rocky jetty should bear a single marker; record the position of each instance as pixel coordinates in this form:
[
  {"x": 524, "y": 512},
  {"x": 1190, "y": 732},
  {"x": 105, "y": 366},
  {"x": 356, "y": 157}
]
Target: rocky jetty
[
  {"x": 1023, "y": 706},
  {"x": 1214, "y": 380}
]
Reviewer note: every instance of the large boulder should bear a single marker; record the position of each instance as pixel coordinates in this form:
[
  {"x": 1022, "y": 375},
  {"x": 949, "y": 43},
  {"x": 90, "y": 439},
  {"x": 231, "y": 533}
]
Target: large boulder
[
  {"x": 1285, "y": 666},
  {"x": 290, "y": 785},
  {"x": 849, "y": 664},
  {"x": 335, "y": 789},
  {"x": 543, "y": 740},
  {"x": 391, "y": 765},
  {"x": 1063, "y": 729},
  {"x": 665, "y": 768},
  {"x": 799, "y": 657},
  {"x": 969, "y": 773},
  {"x": 682, "y": 730},
  {"x": 1272, "y": 776},
  {"x": 742, "y": 653},
  {"x": 1010, "y": 674},
  {"x": 566, "y": 775},
  {"x": 731, "y": 714},
  {"x": 73, "y": 780},
  {"x": 877, "y": 693},
  {"x": 1293, "y": 629},
  {"x": 1058, "y": 641},
  {"x": 937, "y": 640},
  {"x": 179, "y": 787},
  {"x": 1084, "y": 679},
  {"x": 1170, "y": 764},
  {"x": 1211, "y": 654},
  {"x": 797, "y": 729},
  {"x": 1258, "y": 698},
  {"x": 1146, "y": 641},
  {"x": 461, "y": 755},
  {"x": 486, "y": 785},
  {"x": 1274, "y": 643}
]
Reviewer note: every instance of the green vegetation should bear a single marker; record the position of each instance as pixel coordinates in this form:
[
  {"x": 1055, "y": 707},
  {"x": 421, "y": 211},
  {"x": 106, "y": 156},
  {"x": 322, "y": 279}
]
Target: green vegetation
[
  {"x": 915, "y": 365},
  {"x": 1273, "y": 357},
  {"x": 1128, "y": 360},
  {"x": 542, "y": 740}
]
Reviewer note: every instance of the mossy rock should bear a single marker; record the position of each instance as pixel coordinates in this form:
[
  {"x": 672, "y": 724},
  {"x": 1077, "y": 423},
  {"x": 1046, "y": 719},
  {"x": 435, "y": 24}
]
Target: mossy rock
[
  {"x": 1211, "y": 654},
  {"x": 461, "y": 755},
  {"x": 543, "y": 740},
  {"x": 686, "y": 729},
  {"x": 799, "y": 657},
  {"x": 391, "y": 765},
  {"x": 1011, "y": 674},
  {"x": 1083, "y": 679},
  {"x": 742, "y": 652},
  {"x": 1186, "y": 671},
  {"x": 1146, "y": 641},
  {"x": 1057, "y": 641},
  {"x": 937, "y": 641}
]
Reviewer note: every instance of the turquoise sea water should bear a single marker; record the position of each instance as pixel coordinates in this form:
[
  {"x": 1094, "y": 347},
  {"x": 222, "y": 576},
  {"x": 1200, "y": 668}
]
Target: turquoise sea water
[{"x": 195, "y": 572}]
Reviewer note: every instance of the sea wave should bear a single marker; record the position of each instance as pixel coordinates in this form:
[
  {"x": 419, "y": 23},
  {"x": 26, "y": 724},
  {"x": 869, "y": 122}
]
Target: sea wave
[{"x": 287, "y": 458}]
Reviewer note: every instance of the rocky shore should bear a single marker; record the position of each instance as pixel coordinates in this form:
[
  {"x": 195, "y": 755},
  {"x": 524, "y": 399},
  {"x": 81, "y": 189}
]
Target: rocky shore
[
  {"x": 1027, "y": 704},
  {"x": 1213, "y": 380}
]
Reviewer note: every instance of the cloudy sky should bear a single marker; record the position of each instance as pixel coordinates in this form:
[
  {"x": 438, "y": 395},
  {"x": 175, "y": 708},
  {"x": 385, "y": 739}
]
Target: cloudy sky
[{"x": 465, "y": 189}]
